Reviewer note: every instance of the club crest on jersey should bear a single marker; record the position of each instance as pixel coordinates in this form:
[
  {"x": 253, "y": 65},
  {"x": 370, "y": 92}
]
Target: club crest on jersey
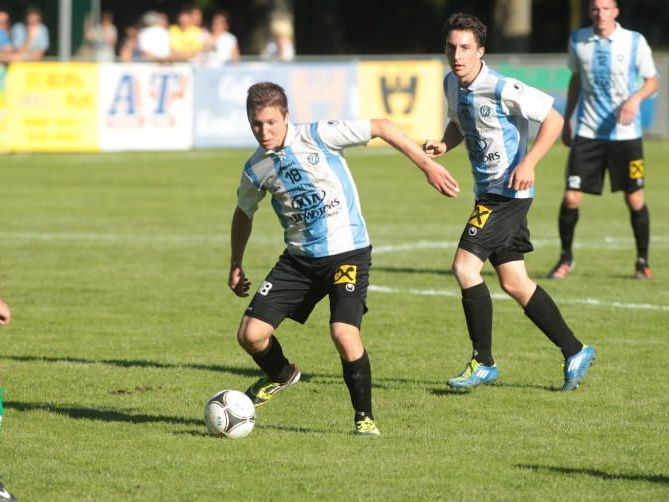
[
  {"x": 637, "y": 169},
  {"x": 345, "y": 274},
  {"x": 313, "y": 158},
  {"x": 485, "y": 111},
  {"x": 480, "y": 216}
]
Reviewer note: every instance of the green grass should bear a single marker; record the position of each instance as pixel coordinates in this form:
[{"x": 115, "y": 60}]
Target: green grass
[{"x": 115, "y": 266}]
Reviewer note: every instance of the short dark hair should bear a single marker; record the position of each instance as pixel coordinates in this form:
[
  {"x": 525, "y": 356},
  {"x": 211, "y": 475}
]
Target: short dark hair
[
  {"x": 466, "y": 22},
  {"x": 264, "y": 94}
]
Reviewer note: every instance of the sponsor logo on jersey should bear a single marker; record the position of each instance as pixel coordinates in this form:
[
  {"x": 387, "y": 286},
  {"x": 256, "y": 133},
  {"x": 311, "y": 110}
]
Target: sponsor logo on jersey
[
  {"x": 304, "y": 201},
  {"x": 475, "y": 144},
  {"x": 480, "y": 216},
  {"x": 345, "y": 274},
  {"x": 637, "y": 169}
]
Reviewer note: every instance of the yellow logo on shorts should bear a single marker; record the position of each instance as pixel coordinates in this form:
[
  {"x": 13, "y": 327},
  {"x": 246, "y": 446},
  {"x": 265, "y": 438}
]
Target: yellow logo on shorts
[
  {"x": 480, "y": 216},
  {"x": 345, "y": 274},
  {"x": 637, "y": 169}
]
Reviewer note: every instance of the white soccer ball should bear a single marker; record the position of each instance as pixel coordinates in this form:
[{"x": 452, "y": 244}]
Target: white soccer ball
[{"x": 230, "y": 413}]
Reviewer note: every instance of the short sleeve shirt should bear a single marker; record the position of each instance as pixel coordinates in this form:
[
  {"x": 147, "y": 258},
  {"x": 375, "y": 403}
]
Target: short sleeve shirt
[
  {"x": 610, "y": 70},
  {"x": 493, "y": 115},
  {"x": 313, "y": 193}
]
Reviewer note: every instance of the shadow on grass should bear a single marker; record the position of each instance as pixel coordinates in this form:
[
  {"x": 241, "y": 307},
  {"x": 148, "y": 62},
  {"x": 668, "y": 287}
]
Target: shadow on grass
[
  {"x": 464, "y": 392},
  {"x": 608, "y": 476},
  {"x": 322, "y": 378},
  {"x": 412, "y": 270},
  {"x": 528, "y": 386},
  {"x": 275, "y": 427},
  {"x": 101, "y": 414}
]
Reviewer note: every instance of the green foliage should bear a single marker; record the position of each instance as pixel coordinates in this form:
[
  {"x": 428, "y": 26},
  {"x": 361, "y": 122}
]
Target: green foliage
[{"x": 115, "y": 266}]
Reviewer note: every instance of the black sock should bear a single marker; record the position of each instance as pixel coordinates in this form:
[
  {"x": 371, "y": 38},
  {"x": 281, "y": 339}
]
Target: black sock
[
  {"x": 273, "y": 362},
  {"x": 358, "y": 378},
  {"x": 477, "y": 304},
  {"x": 543, "y": 312},
  {"x": 566, "y": 225},
  {"x": 641, "y": 226}
]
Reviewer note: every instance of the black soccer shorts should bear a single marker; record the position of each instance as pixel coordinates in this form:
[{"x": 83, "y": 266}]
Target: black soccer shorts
[
  {"x": 497, "y": 229},
  {"x": 297, "y": 283},
  {"x": 590, "y": 158}
]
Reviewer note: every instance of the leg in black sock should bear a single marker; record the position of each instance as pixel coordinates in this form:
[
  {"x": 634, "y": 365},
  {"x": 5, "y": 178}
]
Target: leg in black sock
[
  {"x": 273, "y": 362},
  {"x": 477, "y": 304},
  {"x": 543, "y": 312},
  {"x": 641, "y": 226},
  {"x": 566, "y": 225},
  {"x": 358, "y": 378}
]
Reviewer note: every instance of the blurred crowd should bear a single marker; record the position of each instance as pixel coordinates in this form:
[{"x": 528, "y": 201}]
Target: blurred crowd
[
  {"x": 23, "y": 41},
  {"x": 188, "y": 38}
]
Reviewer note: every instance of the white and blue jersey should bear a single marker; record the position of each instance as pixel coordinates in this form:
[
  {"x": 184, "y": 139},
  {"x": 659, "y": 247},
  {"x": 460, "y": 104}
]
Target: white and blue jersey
[
  {"x": 313, "y": 192},
  {"x": 609, "y": 70},
  {"x": 493, "y": 115}
]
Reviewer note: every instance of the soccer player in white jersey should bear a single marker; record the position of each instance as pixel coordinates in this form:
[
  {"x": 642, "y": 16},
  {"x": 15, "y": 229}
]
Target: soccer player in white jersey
[
  {"x": 327, "y": 246},
  {"x": 607, "y": 62},
  {"x": 491, "y": 113}
]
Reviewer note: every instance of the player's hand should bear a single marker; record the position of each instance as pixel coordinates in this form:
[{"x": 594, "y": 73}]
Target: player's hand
[
  {"x": 441, "y": 180},
  {"x": 434, "y": 148},
  {"x": 522, "y": 177},
  {"x": 5, "y": 314},
  {"x": 566, "y": 133},
  {"x": 628, "y": 111},
  {"x": 238, "y": 282}
]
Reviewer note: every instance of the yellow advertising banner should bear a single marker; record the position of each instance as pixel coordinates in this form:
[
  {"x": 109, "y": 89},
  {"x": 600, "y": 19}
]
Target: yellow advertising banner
[
  {"x": 53, "y": 107},
  {"x": 407, "y": 92}
]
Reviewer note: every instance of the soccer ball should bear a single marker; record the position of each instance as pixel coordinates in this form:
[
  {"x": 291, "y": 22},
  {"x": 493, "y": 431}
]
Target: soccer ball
[{"x": 231, "y": 413}]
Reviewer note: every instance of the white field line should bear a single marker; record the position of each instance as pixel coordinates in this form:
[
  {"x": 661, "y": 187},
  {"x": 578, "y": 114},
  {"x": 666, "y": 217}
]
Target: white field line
[
  {"x": 607, "y": 242},
  {"x": 498, "y": 296}
]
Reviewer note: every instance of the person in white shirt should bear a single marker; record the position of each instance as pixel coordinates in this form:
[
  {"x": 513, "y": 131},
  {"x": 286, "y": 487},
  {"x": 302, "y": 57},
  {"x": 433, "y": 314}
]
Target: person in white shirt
[
  {"x": 607, "y": 62},
  {"x": 328, "y": 252},
  {"x": 154, "y": 38},
  {"x": 221, "y": 46}
]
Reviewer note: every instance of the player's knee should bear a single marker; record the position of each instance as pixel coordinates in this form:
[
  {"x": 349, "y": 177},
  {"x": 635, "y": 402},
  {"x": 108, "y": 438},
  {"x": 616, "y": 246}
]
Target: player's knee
[
  {"x": 572, "y": 199},
  {"x": 465, "y": 274},
  {"x": 251, "y": 338}
]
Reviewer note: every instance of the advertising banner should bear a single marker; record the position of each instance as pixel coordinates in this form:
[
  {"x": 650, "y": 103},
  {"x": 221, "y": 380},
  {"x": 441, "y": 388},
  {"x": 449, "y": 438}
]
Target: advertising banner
[
  {"x": 4, "y": 140},
  {"x": 146, "y": 107},
  {"x": 407, "y": 92},
  {"x": 53, "y": 107},
  {"x": 316, "y": 91}
]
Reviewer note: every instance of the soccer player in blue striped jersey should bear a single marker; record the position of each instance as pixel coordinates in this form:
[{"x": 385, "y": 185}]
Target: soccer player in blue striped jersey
[
  {"x": 607, "y": 62},
  {"x": 328, "y": 250},
  {"x": 491, "y": 113}
]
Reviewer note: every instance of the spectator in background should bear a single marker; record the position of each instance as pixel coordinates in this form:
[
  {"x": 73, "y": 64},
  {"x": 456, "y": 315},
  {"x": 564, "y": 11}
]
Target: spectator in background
[
  {"x": 222, "y": 46},
  {"x": 281, "y": 46},
  {"x": 30, "y": 40},
  {"x": 186, "y": 39},
  {"x": 153, "y": 39},
  {"x": 198, "y": 22},
  {"x": 6, "y": 49},
  {"x": 129, "y": 50},
  {"x": 100, "y": 39}
]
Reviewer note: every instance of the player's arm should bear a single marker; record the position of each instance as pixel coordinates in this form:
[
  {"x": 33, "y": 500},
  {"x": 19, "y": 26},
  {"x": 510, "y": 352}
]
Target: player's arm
[
  {"x": 437, "y": 175},
  {"x": 240, "y": 231},
  {"x": 5, "y": 313},
  {"x": 522, "y": 177},
  {"x": 630, "y": 108},
  {"x": 573, "y": 91},
  {"x": 452, "y": 137}
]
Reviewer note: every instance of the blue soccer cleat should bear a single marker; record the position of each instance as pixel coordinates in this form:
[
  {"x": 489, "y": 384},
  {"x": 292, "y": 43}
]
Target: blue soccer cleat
[
  {"x": 577, "y": 366},
  {"x": 473, "y": 375}
]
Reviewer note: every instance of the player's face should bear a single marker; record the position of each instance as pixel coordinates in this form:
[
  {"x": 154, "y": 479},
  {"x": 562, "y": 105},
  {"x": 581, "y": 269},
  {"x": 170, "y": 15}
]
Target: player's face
[
  {"x": 464, "y": 55},
  {"x": 603, "y": 14},
  {"x": 269, "y": 126}
]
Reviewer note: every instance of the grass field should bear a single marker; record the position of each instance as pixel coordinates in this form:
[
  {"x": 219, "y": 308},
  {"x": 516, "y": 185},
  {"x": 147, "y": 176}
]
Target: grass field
[{"x": 115, "y": 266}]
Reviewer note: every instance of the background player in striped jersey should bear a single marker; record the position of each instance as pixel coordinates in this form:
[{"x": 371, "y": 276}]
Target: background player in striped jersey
[
  {"x": 607, "y": 61},
  {"x": 491, "y": 113},
  {"x": 327, "y": 246}
]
